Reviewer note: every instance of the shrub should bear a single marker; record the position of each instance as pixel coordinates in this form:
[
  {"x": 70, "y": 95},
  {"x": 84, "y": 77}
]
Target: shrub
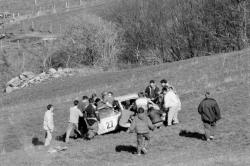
[{"x": 91, "y": 42}]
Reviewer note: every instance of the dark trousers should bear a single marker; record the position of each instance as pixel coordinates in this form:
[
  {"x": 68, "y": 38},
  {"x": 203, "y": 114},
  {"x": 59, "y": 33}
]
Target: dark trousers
[
  {"x": 209, "y": 129},
  {"x": 142, "y": 141}
]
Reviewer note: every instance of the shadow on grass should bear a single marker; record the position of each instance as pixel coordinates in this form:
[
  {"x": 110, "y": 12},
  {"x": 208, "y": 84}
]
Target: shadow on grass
[
  {"x": 62, "y": 137},
  {"x": 37, "y": 142},
  {"x": 184, "y": 133},
  {"x": 126, "y": 148}
]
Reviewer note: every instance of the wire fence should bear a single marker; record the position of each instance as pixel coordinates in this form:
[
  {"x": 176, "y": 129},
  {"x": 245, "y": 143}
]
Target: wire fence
[{"x": 28, "y": 21}]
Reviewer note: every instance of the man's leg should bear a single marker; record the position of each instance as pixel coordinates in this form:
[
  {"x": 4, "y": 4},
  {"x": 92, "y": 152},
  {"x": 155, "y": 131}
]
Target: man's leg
[
  {"x": 48, "y": 138},
  {"x": 175, "y": 118},
  {"x": 146, "y": 142},
  {"x": 213, "y": 130},
  {"x": 171, "y": 113},
  {"x": 92, "y": 130},
  {"x": 69, "y": 129},
  {"x": 207, "y": 128},
  {"x": 139, "y": 143},
  {"x": 125, "y": 125}
]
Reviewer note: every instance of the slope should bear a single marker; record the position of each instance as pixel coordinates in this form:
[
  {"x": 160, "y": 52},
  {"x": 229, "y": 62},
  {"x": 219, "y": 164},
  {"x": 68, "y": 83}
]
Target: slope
[{"x": 225, "y": 75}]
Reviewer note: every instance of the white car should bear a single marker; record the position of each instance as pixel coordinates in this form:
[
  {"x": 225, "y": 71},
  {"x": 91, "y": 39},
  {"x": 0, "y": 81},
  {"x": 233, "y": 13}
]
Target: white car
[{"x": 109, "y": 117}]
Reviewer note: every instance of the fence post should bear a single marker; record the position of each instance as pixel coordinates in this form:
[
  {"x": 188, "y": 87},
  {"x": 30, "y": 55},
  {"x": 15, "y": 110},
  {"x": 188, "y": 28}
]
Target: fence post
[
  {"x": 80, "y": 2},
  {"x": 18, "y": 44},
  {"x": 66, "y": 4},
  {"x": 50, "y": 28},
  {"x": 1, "y": 45},
  {"x": 23, "y": 65},
  {"x": 39, "y": 10},
  {"x": 32, "y": 26},
  {"x": 53, "y": 8},
  {"x": 60, "y": 29}
]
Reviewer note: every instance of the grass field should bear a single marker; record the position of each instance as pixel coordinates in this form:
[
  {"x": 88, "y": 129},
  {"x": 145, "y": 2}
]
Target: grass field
[{"x": 227, "y": 76}]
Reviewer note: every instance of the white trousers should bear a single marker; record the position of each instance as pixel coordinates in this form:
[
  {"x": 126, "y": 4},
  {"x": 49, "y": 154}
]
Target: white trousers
[
  {"x": 48, "y": 138},
  {"x": 125, "y": 125},
  {"x": 173, "y": 115}
]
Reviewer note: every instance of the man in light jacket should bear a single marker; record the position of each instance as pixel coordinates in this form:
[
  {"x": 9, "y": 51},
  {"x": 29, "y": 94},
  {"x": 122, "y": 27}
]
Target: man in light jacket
[
  {"x": 210, "y": 114},
  {"x": 172, "y": 103},
  {"x": 74, "y": 114},
  {"x": 48, "y": 124}
]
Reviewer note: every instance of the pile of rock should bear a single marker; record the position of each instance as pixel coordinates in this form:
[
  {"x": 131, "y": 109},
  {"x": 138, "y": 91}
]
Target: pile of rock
[{"x": 28, "y": 78}]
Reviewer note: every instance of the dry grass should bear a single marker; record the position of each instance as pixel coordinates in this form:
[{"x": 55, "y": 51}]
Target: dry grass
[{"x": 226, "y": 75}]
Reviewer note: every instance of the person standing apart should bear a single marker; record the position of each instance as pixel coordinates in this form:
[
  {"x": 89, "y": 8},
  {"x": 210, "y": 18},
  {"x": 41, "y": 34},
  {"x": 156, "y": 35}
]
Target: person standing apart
[
  {"x": 172, "y": 103},
  {"x": 48, "y": 124},
  {"x": 210, "y": 114},
  {"x": 74, "y": 114}
]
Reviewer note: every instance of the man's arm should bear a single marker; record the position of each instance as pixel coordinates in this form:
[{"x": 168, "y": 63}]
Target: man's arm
[
  {"x": 166, "y": 101},
  {"x": 147, "y": 91},
  {"x": 200, "y": 109},
  {"x": 217, "y": 111},
  {"x": 80, "y": 113},
  {"x": 150, "y": 124},
  {"x": 132, "y": 127},
  {"x": 50, "y": 123}
]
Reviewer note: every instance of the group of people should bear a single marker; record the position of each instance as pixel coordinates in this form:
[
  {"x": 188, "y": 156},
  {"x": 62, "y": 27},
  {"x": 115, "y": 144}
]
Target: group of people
[{"x": 152, "y": 109}]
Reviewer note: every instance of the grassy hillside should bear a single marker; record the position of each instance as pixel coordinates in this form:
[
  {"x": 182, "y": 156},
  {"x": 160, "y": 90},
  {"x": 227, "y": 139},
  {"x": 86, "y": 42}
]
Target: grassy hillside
[{"x": 227, "y": 76}]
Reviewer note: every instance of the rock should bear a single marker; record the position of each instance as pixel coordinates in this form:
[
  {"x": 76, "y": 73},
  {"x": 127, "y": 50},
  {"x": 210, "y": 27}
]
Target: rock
[
  {"x": 56, "y": 75},
  {"x": 67, "y": 70},
  {"x": 14, "y": 82},
  {"x": 22, "y": 77},
  {"x": 52, "y": 71},
  {"x": 28, "y": 74},
  {"x": 60, "y": 69},
  {"x": 9, "y": 89},
  {"x": 29, "y": 78}
]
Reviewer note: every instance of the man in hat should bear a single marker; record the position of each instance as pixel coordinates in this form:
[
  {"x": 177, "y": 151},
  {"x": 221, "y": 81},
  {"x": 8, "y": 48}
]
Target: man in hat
[
  {"x": 164, "y": 83},
  {"x": 210, "y": 114}
]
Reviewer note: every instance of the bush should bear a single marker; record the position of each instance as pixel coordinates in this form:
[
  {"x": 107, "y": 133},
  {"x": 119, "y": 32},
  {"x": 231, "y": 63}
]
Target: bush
[{"x": 94, "y": 42}]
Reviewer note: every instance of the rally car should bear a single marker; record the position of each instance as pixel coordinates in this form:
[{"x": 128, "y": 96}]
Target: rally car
[{"x": 109, "y": 117}]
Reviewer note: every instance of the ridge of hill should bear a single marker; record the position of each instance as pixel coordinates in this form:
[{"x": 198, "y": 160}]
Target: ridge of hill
[{"x": 188, "y": 76}]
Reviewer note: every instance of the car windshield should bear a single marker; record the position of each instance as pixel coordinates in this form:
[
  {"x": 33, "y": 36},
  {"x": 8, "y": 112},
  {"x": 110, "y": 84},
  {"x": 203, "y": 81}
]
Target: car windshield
[
  {"x": 106, "y": 112},
  {"x": 128, "y": 104}
]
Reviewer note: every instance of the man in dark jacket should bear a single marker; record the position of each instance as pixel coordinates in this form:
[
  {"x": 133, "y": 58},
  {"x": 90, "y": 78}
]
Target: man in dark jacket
[
  {"x": 92, "y": 118},
  {"x": 82, "y": 126},
  {"x": 210, "y": 114},
  {"x": 152, "y": 91}
]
